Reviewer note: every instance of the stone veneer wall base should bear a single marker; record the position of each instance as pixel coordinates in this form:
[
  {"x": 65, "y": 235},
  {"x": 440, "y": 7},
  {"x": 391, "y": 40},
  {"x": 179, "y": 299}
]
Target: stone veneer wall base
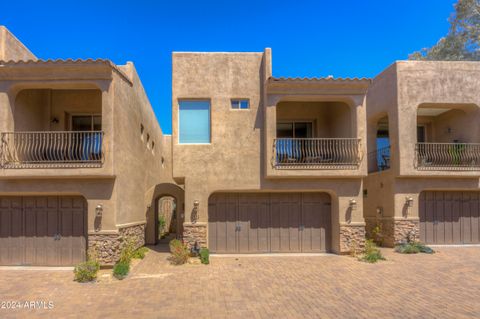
[
  {"x": 352, "y": 237},
  {"x": 195, "y": 233},
  {"x": 395, "y": 231},
  {"x": 107, "y": 247}
]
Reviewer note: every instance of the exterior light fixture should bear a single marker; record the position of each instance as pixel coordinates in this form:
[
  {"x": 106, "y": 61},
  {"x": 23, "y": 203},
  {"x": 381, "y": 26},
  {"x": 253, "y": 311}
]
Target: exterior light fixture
[
  {"x": 194, "y": 216},
  {"x": 353, "y": 204},
  {"x": 55, "y": 120},
  {"x": 380, "y": 210},
  {"x": 409, "y": 201},
  {"x": 99, "y": 210}
]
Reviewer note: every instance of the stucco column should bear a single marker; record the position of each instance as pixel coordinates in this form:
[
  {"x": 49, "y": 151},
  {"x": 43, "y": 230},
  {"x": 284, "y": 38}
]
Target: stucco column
[
  {"x": 348, "y": 225},
  {"x": 196, "y": 213},
  {"x": 6, "y": 110},
  {"x": 270, "y": 130}
]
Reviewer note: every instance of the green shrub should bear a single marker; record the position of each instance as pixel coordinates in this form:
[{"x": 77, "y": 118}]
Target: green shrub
[
  {"x": 371, "y": 254},
  {"x": 377, "y": 234},
  {"x": 86, "y": 271},
  {"x": 140, "y": 253},
  {"x": 161, "y": 225},
  {"x": 205, "y": 256},
  {"x": 120, "y": 270},
  {"x": 127, "y": 251},
  {"x": 180, "y": 252},
  {"x": 413, "y": 248}
]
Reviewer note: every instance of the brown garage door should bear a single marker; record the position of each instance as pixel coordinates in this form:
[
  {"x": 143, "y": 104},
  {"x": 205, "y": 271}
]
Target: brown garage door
[
  {"x": 449, "y": 217},
  {"x": 275, "y": 222},
  {"x": 42, "y": 231}
]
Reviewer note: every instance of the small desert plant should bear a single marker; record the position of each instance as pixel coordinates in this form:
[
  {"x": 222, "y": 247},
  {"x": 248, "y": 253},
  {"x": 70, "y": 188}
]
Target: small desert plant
[
  {"x": 120, "y": 270},
  {"x": 377, "y": 235},
  {"x": 413, "y": 247},
  {"x": 140, "y": 253},
  {"x": 127, "y": 251},
  {"x": 86, "y": 271},
  {"x": 180, "y": 252},
  {"x": 371, "y": 254},
  {"x": 205, "y": 256}
]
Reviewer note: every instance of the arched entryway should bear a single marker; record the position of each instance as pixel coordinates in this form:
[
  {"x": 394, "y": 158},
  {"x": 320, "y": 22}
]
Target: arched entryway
[
  {"x": 169, "y": 223},
  {"x": 165, "y": 202}
]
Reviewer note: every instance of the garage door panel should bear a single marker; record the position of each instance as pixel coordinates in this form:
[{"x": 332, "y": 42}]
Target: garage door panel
[
  {"x": 439, "y": 220},
  {"x": 455, "y": 217},
  {"x": 430, "y": 209},
  {"x": 28, "y": 229},
  {"x": 212, "y": 225},
  {"x": 269, "y": 222},
  {"x": 448, "y": 218},
  {"x": 225, "y": 208},
  {"x": 422, "y": 216},
  {"x": 474, "y": 208}
]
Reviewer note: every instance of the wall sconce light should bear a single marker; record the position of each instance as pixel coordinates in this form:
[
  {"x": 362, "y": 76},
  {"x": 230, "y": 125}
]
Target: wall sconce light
[
  {"x": 55, "y": 120},
  {"x": 194, "y": 216},
  {"x": 353, "y": 204},
  {"x": 409, "y": 201},
  {"x": 99, "y": 211},
  {"x": 380, "y": 210}
]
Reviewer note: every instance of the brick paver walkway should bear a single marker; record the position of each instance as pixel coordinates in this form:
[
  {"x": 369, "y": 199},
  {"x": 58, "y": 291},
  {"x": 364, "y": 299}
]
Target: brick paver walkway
[{"x": 444, "y": 285}]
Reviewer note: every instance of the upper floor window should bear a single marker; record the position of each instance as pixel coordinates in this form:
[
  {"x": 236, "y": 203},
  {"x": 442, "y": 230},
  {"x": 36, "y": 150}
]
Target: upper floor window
[
  {"x": 194, "y": 122},
  {"x": 294, "y": 130},
  {"x": 89, "y": 122},
  {"x": 240, "y": 104}
]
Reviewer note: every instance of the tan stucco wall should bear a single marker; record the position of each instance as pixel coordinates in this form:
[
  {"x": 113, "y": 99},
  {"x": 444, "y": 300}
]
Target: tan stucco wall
[
  {"x": 330, "y": 119},
  {"x": 452, "y": 125},
  {"x": 138, "y": 168},
  {"x": 234, "y": 160},
  {"x": 453, "y": 84},
  {"x": 11, "y": 48},
  {"x": 398, "y": 92},
  {"x": 347, "y": 108},
  {"x": 381, "y": 102},
  {"x": 130, "y": 169},
  {"x": 35, "y": 109}
]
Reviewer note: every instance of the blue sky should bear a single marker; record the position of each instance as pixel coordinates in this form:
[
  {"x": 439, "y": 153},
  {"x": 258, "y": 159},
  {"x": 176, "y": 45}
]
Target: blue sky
[{"x": 308, "y": 38}]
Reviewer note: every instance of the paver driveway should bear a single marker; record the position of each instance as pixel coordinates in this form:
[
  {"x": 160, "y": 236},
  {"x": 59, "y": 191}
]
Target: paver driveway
[{"x": 446, "y": 284}]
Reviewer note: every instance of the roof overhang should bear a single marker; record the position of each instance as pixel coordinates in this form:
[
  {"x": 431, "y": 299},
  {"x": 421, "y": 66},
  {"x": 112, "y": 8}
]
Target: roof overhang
[
  {"x": 329, "y": 85},
  {"x": 58, "y": 70}
]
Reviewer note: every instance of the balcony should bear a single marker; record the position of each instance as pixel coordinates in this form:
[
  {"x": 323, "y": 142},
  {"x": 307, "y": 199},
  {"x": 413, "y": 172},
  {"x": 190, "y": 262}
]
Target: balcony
[
  {"x": 447, "y": 156},
  {"x": 52, "y": 149},
  {"x": 316, "y": 153}
]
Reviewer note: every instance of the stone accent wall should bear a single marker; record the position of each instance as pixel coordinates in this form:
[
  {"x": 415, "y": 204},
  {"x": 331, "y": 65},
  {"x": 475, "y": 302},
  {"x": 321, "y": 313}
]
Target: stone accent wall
[
  {"x": 352, "y": 237},
  {"x": 107, "y": 247},
  {"x": 195, "y": 233},
  {"x": 397, "y": 231},
  {"x": 406, "y": 228}
]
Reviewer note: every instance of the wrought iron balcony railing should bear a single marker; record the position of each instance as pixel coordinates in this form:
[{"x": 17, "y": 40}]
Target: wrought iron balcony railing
[
  {"x": 52, "y": 149},
  {"x": 316, "y": 153},
  {"x": 379, "y": 160},
  {"x": 447, "y": 156}
]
